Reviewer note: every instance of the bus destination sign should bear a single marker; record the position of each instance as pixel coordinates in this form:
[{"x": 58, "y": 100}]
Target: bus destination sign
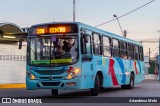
[{"x": 55, "y": 29}]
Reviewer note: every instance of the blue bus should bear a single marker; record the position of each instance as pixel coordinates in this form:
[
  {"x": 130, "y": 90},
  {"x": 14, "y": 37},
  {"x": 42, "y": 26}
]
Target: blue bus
[{"x": 73, "y": 55}]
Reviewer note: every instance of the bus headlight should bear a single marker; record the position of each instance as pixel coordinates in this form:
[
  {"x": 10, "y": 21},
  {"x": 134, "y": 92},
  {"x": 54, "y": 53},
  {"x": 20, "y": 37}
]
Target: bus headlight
[
  {"x": 31, "y": 76},
  {"x": 73, "y": 73}
]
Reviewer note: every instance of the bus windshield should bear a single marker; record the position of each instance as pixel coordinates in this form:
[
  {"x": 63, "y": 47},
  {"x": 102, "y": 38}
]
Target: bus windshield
[{"x": 52, "y": 50}]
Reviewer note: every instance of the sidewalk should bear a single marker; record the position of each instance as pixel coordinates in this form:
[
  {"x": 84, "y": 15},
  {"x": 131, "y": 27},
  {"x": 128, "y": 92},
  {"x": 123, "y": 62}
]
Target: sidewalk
[
  {"x": 4, "y": 86},
  {"x": 151, "y": 77}
]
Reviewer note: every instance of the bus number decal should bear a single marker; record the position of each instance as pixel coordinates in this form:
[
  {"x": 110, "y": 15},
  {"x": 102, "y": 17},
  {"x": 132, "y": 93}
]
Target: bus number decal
[{"x": 40, "y": 31}]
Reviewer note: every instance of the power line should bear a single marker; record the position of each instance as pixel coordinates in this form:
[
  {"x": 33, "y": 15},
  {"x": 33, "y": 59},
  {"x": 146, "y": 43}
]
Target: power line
[{"x": 126, "y": 13}]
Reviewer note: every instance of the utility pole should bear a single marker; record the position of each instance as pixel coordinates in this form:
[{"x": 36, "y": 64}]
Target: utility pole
[
  {"x": 159, "y": 60},
  {"x": 74, "y": 10},
  {"x": 125, "y": 33},
  {"x": 149, "y": 55}
]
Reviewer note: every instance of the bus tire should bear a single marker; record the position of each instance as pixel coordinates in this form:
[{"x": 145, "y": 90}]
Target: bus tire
[
  {"x": 54, "y": 92},
  {"x": 94, "y": 91},
  {"x": 131, "y": 83}
]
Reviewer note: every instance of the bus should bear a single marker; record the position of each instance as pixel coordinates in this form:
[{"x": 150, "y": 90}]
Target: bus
[{"x": 74, "y": 56}]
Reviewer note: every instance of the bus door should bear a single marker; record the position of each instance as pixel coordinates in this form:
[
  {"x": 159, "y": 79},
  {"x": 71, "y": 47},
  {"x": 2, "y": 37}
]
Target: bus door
[{"x": 87, "y": 67}]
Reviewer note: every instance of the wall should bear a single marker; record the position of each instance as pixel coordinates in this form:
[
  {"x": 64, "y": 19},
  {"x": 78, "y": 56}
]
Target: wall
[{"x": 12, "y": 63}]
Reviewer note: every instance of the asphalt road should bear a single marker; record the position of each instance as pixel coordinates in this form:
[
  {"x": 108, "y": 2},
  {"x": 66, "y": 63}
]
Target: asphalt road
[{"x": 144, "y": 89}]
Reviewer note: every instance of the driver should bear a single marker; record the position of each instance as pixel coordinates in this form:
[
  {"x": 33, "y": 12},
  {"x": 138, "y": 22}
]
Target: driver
[{"x": 59, "y": 52}]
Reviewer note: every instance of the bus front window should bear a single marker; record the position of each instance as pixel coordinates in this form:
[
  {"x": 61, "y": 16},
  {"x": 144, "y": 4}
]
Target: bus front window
[{"x": 53, "y": 50}]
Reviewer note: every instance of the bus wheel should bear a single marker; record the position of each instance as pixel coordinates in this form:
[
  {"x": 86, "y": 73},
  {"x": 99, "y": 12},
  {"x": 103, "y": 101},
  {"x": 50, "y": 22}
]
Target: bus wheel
[
  {"x": 131, "y": 83},
  {"x": 94, "y": 91},
  {"x": 54, "y": 92}
]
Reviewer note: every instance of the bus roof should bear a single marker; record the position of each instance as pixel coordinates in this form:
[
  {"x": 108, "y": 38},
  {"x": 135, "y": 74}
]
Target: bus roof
[{"x": 97, "y": 30}]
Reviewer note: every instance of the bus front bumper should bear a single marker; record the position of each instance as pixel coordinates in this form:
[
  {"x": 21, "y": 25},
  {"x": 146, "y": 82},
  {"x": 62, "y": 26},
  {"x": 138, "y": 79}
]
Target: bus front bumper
[{"x": 76, "y": 83}]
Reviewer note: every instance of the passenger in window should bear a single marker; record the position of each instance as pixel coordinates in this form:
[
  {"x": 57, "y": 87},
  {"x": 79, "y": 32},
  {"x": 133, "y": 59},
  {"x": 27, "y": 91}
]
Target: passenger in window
[
  {"x": 71, "y": 43},
  {"x": 67, "y": 46},
  {"x": 70, "y": 49},
  {"x": 97, "y": 49},
  {"x": 66, "y": 49},
  {"x": 73, "y": 49},
  {"x": 59, "y": 52},
  {"x": 124, "y": 56}
]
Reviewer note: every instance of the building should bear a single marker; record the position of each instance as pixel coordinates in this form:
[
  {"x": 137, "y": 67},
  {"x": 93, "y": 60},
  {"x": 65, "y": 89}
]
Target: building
[
  {"x": 146, "y": 64},
  {"x": 12, "y": 58}
]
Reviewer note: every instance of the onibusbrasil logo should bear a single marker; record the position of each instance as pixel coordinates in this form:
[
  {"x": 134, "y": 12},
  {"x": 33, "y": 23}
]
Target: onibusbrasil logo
[{"x": 21, "y": 100}]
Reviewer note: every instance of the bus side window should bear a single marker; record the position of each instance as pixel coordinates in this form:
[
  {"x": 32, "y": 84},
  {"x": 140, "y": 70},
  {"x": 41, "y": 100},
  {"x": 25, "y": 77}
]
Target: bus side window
[
  {"x": 130, "y": 51},
  {"x": 136, "y": 52},
  {"x": 123, "y": 49},
  {"x": 96, "y": 44},
  {"x": 141, "y": 54},
  {"x": 116, "y": 52},
  {"x": 107, "y": 46},
  {"x": 86, "y": 44}
]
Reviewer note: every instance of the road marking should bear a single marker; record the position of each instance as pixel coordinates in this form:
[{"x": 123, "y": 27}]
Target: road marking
[{"x": 12, "y": 86}]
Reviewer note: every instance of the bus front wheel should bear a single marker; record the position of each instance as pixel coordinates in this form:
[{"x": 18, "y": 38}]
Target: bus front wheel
[
  {"x": 54, "y": 92},
  {"x": 94, "y": 91}
]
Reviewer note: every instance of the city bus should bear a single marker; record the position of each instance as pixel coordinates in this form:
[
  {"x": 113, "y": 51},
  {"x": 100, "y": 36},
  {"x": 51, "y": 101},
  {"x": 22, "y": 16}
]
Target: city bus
[{"x": 76, "y": 56}]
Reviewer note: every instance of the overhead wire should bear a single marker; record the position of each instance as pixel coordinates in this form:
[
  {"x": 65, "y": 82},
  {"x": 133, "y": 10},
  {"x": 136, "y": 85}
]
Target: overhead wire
[{"x": 126, "y": 13}]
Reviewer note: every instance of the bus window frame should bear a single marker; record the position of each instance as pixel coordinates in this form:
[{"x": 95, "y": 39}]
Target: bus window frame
[
  {"x": 109, "y": 47},
  {"x": 130, "y": 51},
  {"x": 123, "y": 50},
  {"x": 85, "y": 57},
  {"x": 100, "y": 44},
  {"x": 117, "y": 48},
  {"x": 28, "y": 47},
  {"x": 136, "y": 53}
]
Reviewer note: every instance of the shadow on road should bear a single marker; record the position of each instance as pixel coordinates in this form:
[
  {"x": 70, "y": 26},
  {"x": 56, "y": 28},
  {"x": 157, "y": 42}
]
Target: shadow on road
[{"x": 77, "y": 94}]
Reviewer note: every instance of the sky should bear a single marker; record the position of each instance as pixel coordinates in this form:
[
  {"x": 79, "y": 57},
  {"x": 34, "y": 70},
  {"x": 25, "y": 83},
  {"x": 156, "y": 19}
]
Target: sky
[{"x": 141, "y": 24}]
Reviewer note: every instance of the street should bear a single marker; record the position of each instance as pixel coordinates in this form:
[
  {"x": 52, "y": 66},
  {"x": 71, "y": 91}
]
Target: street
[{"x": 148, "y": 88}]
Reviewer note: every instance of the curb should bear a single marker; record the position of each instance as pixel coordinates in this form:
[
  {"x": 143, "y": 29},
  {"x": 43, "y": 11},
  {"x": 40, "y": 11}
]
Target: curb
[{"x": 12, "y": 86}]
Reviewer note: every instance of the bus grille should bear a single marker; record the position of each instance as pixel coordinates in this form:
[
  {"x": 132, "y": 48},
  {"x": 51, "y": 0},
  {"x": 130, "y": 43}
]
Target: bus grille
[
  {"x": 47, "y": 78},
  {"x": 50, "y": 83},
  {"x": 50, "y": 72}
]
